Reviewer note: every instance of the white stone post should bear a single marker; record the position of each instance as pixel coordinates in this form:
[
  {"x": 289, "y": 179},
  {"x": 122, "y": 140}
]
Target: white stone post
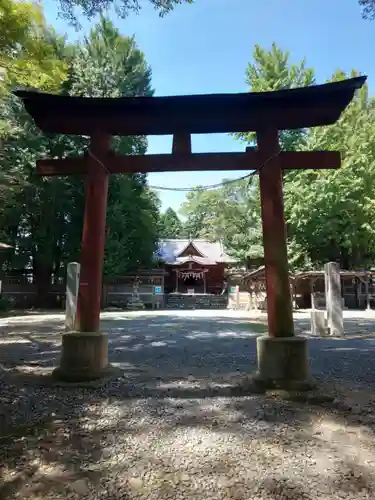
[
  {"x": 368, "y": 306},
  {"x": 318, "y": 323},
  {"x": 237, "y": 297},
  {"x": 318, "y": 317},
  {"x": 314, "y": 301},
  {"x": 72, "y": 287},
  {"x": 333, "y": 299}
]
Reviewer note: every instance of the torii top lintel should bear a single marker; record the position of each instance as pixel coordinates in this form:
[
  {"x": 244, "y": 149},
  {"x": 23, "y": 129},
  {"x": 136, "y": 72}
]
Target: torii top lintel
[{"x": 192, "y": 114}]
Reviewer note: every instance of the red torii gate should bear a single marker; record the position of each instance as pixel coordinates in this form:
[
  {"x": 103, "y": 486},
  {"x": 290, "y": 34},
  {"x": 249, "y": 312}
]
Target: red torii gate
[{"x": 281, "y": 356}]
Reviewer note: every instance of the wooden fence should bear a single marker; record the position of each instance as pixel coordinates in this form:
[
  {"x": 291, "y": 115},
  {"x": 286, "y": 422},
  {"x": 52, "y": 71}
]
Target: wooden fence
[
  {"x": 22, "y": 292},
  {"x": 119, "y": 295}
]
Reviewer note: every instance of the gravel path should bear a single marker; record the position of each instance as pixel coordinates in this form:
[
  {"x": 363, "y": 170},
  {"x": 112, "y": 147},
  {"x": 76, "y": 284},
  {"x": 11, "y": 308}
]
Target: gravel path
[{"x": 172, "y": 426}]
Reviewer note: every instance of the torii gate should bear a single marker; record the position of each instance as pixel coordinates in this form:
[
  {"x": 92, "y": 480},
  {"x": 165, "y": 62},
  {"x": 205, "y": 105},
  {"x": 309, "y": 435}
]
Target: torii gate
[{"x": 282, "y": 357}]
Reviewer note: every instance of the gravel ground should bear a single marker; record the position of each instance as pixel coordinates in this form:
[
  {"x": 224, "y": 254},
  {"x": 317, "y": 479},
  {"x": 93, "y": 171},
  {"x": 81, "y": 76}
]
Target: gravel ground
[{"x": 171, "y": 427}]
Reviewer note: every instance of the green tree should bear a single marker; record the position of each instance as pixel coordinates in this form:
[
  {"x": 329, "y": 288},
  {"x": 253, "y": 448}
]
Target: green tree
[
  {"x": 170, "y": 225},
  {"x": 239, "y": 204},
  {"x": 45, "y": 221},
  {"x": 331, "y": 214},
  {"x": 368, "y": 9},
  {"x": 38, "y": 218},
  {"x": 229, "y": 214},
  {"x": 272, "y": 70},
  {"x": 31, "y": 56},
  {"x": 110, "y": 65},
  {"x": 197, "y": 210},
  {"x": 28, "y": 48},
  {"x": 91, "y": 8}
]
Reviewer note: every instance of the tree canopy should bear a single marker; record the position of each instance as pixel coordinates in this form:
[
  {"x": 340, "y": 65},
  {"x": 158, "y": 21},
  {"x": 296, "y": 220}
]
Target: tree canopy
[
  {"x": 29, "y": 49},
  {"x": 31, "y": 55},
  {"x": 43, "y": 220},
  {"x": 329, "y": 214},
  {"x": 368, "y": 9},
  {"x": 170, "y": 225},
  {"x": 91, "y": 8},
  {"x": 230, "y": 214},
  {"x": 272, "y": 70}
]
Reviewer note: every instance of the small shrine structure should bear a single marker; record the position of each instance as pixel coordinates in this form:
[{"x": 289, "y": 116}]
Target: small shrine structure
[
  {"x": 282, "y": 357},
  {"x": 194, "y": 265}
]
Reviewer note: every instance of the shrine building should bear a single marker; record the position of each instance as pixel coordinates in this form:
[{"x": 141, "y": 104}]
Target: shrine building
[{"x": 194, "y": 266}]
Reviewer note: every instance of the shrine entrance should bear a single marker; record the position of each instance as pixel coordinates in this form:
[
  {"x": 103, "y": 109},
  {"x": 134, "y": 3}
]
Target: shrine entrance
[
  {"x": 191, "y": 281},
  {"x": 282, "y": 357}
]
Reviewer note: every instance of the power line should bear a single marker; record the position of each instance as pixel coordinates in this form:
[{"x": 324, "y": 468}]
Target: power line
[
  {"x": 215, "y": 186},
  {"x": 200, "y": 188},
  {"x": 98, "y": 161}
]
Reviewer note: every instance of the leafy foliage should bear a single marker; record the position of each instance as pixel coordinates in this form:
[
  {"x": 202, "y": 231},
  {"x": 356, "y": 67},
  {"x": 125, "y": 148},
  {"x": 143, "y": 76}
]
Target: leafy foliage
[
  {"x": 44, "y": 219},
  {"x": 170, "y": 225},
  {"x": 232, "y": 213},
  {"x": 32, "y": 55},
  {"x": 229, "y": 214},
  {"x": 198, "y": 211},
  {"x": 28, "y": 48},
  {"x": 368, "y": 9},
  {"x": 272, "y": 70},
  {"x": 91, "y": 8},
  {"x": 109, "y": 65},
  {"x": 331, "y": 213}
]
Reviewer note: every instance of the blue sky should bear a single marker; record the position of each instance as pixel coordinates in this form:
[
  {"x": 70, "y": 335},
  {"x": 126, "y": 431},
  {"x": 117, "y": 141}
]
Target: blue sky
[{"x": 205, "y": 48}]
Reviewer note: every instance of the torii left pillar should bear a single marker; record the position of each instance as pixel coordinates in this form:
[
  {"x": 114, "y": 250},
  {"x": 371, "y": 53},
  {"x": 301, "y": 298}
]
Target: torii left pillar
[
  {"x": 282, "y": 357},
  {"x": 85, "y": 350}
]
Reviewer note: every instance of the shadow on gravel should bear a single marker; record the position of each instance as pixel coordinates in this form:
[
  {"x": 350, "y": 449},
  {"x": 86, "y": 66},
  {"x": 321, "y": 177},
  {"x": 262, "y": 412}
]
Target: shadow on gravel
[
  {"x": 161, "y": 348},
  {"x": 353, "y": 327},
  {"x": 180, "y": 390}
]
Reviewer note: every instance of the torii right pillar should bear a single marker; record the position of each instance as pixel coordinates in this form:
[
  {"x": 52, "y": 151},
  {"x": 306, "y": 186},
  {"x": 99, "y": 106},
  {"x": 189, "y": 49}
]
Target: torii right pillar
[{"x": 282, "y": 357}]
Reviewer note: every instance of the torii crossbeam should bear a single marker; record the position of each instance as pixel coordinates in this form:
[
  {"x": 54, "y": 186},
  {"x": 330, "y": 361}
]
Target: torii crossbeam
[{"x": 282, "y": 357}]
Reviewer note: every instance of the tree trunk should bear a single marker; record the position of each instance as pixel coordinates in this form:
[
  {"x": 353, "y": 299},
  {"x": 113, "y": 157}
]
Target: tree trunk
[{"x": 42, "y": 277}]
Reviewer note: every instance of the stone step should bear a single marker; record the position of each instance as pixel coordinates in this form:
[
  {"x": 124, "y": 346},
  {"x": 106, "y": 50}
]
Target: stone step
[{"x": 196, "y": 302}]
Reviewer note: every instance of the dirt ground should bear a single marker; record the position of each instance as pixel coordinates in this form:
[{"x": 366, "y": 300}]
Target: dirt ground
[{"x": 173, "y": 424}]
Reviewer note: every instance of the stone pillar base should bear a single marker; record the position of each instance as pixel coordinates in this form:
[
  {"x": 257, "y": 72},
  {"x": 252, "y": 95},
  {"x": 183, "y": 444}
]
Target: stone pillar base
[
  {"x": 84, "y": 357},
  {"x": 282, "y": 363}
]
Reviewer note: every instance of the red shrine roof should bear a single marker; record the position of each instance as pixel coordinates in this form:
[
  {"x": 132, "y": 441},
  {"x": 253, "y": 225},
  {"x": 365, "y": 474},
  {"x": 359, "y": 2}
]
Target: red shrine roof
[{"x": 195, "y": 114}]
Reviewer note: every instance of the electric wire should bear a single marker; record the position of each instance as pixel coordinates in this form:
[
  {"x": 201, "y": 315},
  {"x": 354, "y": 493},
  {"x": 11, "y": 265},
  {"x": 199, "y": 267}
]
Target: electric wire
[{"x": 197, "y": 188}]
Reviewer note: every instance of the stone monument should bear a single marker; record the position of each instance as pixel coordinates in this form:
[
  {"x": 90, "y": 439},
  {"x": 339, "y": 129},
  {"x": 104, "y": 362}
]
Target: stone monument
[
  {"x": 72, "y": 287},
  {"x": 333, "y": 299},
  {"x": 318, "y": 315},
  {"x": 135, "y": 303},
  {"x": 318, "y": 323}
]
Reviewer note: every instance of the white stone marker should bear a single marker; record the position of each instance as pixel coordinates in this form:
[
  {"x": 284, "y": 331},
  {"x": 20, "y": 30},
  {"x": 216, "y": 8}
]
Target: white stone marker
[
  {"x": 333, "y": 299},
  {"x": 237, "y": 297},
  {"x": 72, "y": 287},
  {"x": 318, "y": 323}
]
